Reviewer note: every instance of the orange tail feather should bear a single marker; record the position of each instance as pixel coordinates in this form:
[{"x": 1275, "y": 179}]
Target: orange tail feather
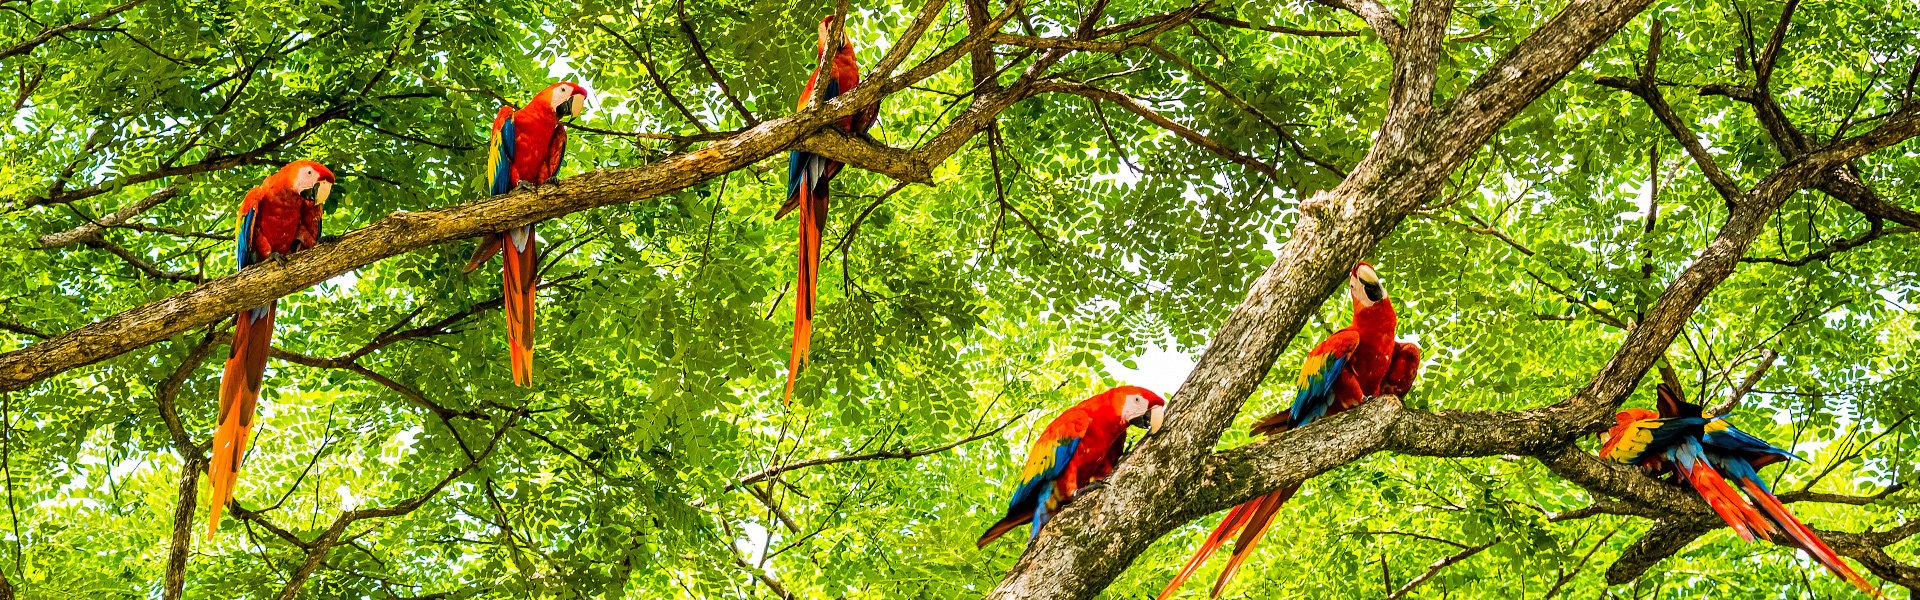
[
  {"x": 1733, "y": 509},
  {"x": 240, "y": 386},
  {"x": 1806, "y": 538},
  {"x": 522, "y": 263},
  {"x": 1002, "y": 527},
  {"x": 1234, "y": 519},
  {"x": 1250, "y": 519},
  {"x": 1250, "y": 535},
  {"x": 813, "y": 214}
]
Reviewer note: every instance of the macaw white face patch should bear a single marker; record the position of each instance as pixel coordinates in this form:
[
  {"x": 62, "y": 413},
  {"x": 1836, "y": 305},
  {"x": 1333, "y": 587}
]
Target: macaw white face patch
[
  {"x": 305, "y": 179},
  {"x": 1365, "y": 286},
  {"x": 1134, "y": 406},
  {"x": 561, "y": 94}
]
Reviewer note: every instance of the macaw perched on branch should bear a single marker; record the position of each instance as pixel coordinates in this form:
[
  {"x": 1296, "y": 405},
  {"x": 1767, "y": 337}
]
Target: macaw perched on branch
[
  {"x": 1714, "y": 458},
  {"x": 280, "y": 217},
  {"x": 807, "y": 177},
  {"x": 1347, "y": 368},
  {"x": 526, "y": 149},
  {"x": 1079, "y": 447}
]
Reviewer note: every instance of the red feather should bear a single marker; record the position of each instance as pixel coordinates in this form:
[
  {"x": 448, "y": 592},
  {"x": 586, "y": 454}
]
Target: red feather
[
  {"x": 808, "y": 193},
  {"x": 274, "y": 219},
  {"x": 539, "y": 147},
  {"x": 240, "y": 385},
  {"x": 1374, "y": 364}
]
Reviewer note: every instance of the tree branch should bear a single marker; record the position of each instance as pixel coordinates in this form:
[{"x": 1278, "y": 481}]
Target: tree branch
[
  {"x": 92, "y": 229},
  {"x": 402, "y": 232},
  {"x": 776, "y": 471},
  {"x": 699, "y": 51},
  {"x": 1434, "y": 569},
  {"x": 28, "y": 45},
  {"x": 1139, "y": 108}
]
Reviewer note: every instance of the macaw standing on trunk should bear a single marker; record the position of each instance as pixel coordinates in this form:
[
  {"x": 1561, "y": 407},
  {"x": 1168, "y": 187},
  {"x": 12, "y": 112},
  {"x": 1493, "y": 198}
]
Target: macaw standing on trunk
[
  {"x": 1079, "y": 447},
  {"x": 1714, "y": 457},
  {"x": 807, "y": 177},
  {"x": 526, "y": 149},
  {"x": 279, "y": 217},
  {"x": 1347, "y": 368}
]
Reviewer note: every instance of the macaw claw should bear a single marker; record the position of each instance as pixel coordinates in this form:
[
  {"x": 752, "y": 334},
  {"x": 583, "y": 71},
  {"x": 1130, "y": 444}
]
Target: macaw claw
[
  {"x": 525, "y": 185},
  {"x": 279, "y": 257},
  {"x": 328, "y": 239}
]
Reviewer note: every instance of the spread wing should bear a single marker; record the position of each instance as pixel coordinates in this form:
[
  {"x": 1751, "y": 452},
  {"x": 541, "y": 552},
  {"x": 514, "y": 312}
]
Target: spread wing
[
  {"x": 1313, "y": 390},
  {"x": 500, "y": 153}
]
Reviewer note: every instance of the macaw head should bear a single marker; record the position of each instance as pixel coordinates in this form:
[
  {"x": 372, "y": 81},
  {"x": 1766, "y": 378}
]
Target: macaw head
[
  {"x": 1364, "y": 285},
  {"x": 1140, "y": 407},
  {"x": 309, "y": 179},
  {"x": 826, "y": 34},
  {"x": 567, "y": 98}
]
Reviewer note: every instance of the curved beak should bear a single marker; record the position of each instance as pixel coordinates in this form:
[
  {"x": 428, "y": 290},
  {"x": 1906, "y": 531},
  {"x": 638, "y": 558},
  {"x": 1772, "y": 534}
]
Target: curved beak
[
  {"x": 573, "y": 106},
  {"x": 1152, "y": 420},
  {"x": 319, "y": 192}
]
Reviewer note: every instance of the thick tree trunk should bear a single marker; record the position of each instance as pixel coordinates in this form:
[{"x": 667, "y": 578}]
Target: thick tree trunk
[{"x": 1096, "y": 538}]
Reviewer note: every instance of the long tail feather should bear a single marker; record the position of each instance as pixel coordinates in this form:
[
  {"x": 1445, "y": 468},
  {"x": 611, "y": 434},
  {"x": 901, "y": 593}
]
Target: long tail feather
[
  {"x": 1250, "y": 534},
  {"x": 813, "y": 214},
  {"x": 1228, "y": 526},
  {"x": 239, "y": 393},
  {"x": 522, "y": 261},
  {"x": 489, "y": 246},
  {"x": 1720, "y": 496},
  {"x": 1010, "y": 523},
  {"x": 1805, "y": 536}
]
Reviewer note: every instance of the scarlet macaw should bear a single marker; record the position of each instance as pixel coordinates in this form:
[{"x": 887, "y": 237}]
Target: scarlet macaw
[
  {"x": 1347, "y": 368},
  {"x": 1714, "y": 457},
  {"x": 277, "y": 218},
  {"x": 807, "y": 177},
  {"x": 1080, "y": 446},
  {"x": 527, "y": 148}
]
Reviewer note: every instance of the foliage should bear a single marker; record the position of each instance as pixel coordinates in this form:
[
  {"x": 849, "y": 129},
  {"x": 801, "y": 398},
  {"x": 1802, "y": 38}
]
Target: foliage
[{"x": 1073, "y": 238}]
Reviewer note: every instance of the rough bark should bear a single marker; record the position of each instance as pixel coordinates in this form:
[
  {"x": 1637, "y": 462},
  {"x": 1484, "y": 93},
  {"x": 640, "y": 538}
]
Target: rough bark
[
  {"x": 1157, "y": 489},
  {"x": 402, "y": 232}
]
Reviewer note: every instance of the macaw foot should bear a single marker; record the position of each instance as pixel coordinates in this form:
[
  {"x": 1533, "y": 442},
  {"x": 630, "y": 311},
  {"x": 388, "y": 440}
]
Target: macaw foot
[
  {"x": 328, "y": 239},
  {"x": 1091, "y": 487},
  {"x": 278, "y": 257},
  {"x": 551, "y": 180},
  {"x": 525, "y": 185}
]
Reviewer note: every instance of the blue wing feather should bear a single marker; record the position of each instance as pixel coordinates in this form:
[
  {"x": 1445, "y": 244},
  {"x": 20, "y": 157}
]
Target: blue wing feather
[
  {"x": 1313, "y": 399},
  {"x": 1723, "y": 436},
  {"x": 796, "y": 176},
  {"x": 243, "y": 255},
  {"x": 1035, "y": 488},
  {"x": 500, "y": 158}
]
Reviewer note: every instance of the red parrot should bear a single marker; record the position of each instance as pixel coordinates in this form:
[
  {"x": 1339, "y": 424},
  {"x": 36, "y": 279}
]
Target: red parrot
[
  {"x": 807, "y": 177},
  {"x": 1080, "y": 446},
  {"x": 279, "y": 217},
  {"x": 526, "y": 149},
  {"x": 1347, "y": 368},
  {"x": 1714, "y": 458}
]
